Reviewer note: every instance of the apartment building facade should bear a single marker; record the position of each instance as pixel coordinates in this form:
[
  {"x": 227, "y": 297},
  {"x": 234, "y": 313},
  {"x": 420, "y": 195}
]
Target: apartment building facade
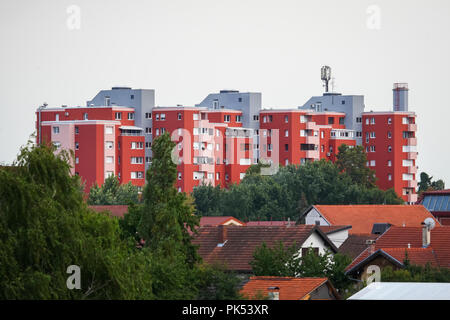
[
  {"x": 212, "y": 147},
  {"x": 105, "y": 141},
  {"x": 302, "y": 135}
]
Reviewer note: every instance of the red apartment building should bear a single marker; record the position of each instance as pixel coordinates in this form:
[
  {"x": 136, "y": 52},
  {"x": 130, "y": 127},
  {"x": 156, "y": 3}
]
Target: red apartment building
[
  {"x": 104, "y": 140},
  {"x": 389, "y": 139},
  {"x": 212, "y": 147},
  {"x": 303, "y": 135}
]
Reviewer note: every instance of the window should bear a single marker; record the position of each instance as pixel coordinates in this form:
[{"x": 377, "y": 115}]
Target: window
[
  {"x": 109, "y": 144},
  {"x": 163, "y": 116},
  {"x": 372, "y": 121},
  {"x": 148, "y": 159},
  {"x": 137, "y": 175},
  {"x": 343, "y": 102},
  {"x": 322, "y": 148},
  {"x": 215, "y": 104},
  {"x": 389, "y": 163},
  {"x": 367, "y": 120},
  {"x": 389, "y": 135},
  {"x": 358, "y": 119},
  {"x": 341, "y": 120},
  {"x": 239, "y": 99},
  {"x": 130, "y": 116},
  {"x": 372, "y": 163},
  {"x": 286, "y": 147},
  {"x": 148, "y": 145},
  {"x": 179, "y": 175},
  {"x": 77, "y": 160},
  {"x": 137, "y": 145},
  {"x": 57, "y": 144},
  {"x": 57, "y": 117},
  {"x": 179, "y": 116},
  {"x": 286, "y": 119},
  {"x": 217, "y": 175},
  {"x": 270, "y": 118},
  {"x": 407, "y": 177},
  {"x": 55, "y": 130},
  {"x": 330, "y": 120},
  {"x": 405, "y": 120},
  {"x": 269, "y": 147},
  {"x": 77, "y": 130},
  {"x": 118, "y": 115},
  {"x": 77, "y": 146},
  {"x": 372, "y": 148},
  {"x": 109, "y": 159},
  {"x": 372, "y": 134},
  {"x": 109, "y": 174},
  {"x": 389, "y": 120},
  {"x": 148, "y": 130},
  {"x": 286, "y": 133},
  {"x": 195, "y": 131},
  {"x": 226, "y": 118},
  {"x": 306, "y": 250},
  {"x": 389, "y": 177},
  {"x": 302, "y": 133},
  {"x": 85, "y": 116},
  {"x": 148, "y": 115},
  {"x": 265, "y": 119},
  {"x": 255, "y": 118},
  {"x": 302, "y": 119},
  {"x": 238, "y": 118},
  {"x": 241, "y": 175},
  {"x": 195, "y": 116},
  {"x": 407, "y": 163},
  {"x": 157, "y": 131},
  {"x": 389, "y": 149},
  {"x": 132, "y": 97},
  {"x": 107, "y": 101},
  {"x": 108, "y": 130}
]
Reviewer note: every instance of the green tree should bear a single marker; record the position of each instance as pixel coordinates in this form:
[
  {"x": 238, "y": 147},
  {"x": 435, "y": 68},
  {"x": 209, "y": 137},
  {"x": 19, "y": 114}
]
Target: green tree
[
  {"x": 166, "y": 213},
  {"x": 284, "y": 262},
  {"x": 426, "y": 183},
  {"x": 113, "y": 193},
  {"x": 353, "y": 161},
  {"x": 45, "y": 226}
]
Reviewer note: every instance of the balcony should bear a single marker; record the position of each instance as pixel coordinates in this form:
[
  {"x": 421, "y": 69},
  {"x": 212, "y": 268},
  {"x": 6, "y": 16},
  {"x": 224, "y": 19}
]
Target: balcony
[
  {"x": 412, "y": 127},
  {"x": 311, "y": 125},
  {"x": 312, "y": 154},
  {"x": 412, "y": 155},
  {"x": 412, "y": 169},
  {"x": 412, "y": 184},
  {"x": 312, "y": 140},
  {"x": 412, "y": 197},
  {"x": 411, "y": 142}
]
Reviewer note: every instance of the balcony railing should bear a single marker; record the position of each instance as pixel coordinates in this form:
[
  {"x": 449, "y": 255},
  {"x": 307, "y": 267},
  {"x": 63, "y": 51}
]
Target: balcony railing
[
  {"x": 412, "y": 197},
  {"x": 412, "y": 141},
  {"x": 412, "y": 184},
  {"x": 412, "y": 127},
  {"x": 412, "y": 155},
  {"x": 412, "y": 169},
  {"x": 312, "y": 154}
]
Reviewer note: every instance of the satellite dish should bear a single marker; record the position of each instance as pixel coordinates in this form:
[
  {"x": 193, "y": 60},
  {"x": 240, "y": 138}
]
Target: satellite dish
[{"x": 430, "y": 223}]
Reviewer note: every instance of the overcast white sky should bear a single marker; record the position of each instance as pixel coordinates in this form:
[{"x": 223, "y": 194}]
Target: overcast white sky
[{"x": 185, "y": 49}]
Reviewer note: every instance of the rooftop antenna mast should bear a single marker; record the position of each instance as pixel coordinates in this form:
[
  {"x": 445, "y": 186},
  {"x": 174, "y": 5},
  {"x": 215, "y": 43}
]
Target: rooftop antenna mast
[{"x": 325, "y": 75}]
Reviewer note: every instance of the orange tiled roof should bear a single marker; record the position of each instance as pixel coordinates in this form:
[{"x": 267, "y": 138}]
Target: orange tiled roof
[
  {"x": 289, "y": 288},
  {"x": 241, "y": 242},
  {"x": 116, "y": 210},
  {"x": 363, "y": 217},
  {"x": 397, "y": 239}
]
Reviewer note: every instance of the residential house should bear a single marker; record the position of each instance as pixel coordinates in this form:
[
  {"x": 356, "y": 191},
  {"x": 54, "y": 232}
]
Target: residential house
[
  {"x": 287, "y": 288},
  {"x": 363, "y": 218}
]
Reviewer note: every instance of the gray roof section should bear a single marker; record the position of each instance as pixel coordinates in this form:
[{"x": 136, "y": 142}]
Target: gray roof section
[{"x": 404, "y": 291}]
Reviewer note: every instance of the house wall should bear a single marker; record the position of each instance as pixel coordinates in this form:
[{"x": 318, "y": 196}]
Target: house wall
[
  {"x": 313, "y": 215},
  {"x": 339, "y": 237}
]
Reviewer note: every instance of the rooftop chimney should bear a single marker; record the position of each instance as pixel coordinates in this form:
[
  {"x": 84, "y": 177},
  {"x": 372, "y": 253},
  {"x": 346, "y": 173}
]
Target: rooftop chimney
[
  {"x": 400, "y": 96},
  {"x": 371, "y": 246},
  {"x": 223, "y": 237},
  {"x": 426, "y": 235}
]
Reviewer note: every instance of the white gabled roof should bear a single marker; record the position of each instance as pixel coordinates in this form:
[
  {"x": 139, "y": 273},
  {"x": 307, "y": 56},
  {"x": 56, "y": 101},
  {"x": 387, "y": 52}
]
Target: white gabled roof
[{"x": 404, "y": 291}]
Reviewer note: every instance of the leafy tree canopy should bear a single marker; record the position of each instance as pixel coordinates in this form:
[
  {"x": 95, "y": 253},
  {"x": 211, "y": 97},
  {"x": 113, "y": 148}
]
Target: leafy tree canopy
[{"x": 113, "y": 193}]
